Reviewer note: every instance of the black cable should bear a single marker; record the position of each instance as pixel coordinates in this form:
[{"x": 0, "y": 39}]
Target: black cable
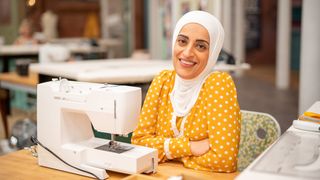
[{"x": 35, "y": 141}]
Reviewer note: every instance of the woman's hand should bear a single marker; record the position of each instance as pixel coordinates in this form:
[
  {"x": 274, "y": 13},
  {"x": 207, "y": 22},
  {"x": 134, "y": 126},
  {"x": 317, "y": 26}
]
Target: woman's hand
[{"x": 199, "y": 148}]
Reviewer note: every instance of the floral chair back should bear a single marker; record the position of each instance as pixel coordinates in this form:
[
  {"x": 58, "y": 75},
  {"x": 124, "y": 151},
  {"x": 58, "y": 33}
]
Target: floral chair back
[{"x": 258, "y": 132}]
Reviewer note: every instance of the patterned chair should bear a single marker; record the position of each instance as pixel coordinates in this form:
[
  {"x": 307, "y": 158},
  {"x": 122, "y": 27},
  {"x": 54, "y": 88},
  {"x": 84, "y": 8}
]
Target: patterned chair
[{"x": 258, "y": 132}]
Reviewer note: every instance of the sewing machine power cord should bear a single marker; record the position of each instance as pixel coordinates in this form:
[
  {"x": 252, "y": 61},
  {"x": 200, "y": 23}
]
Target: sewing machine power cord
[{"x": 36, "y": 141}]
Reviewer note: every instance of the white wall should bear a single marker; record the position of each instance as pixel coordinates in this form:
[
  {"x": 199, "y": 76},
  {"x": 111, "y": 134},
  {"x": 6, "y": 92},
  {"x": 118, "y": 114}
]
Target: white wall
[{"x": 310, "y": 55}]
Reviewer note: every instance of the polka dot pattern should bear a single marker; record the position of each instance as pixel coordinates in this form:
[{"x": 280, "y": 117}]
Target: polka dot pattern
[{"x": 216, "y": 116}]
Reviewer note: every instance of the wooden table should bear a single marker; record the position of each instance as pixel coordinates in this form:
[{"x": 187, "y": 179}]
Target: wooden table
[
  {"x": 22, "y": 165},
  {"x": 10, "y": 81}
]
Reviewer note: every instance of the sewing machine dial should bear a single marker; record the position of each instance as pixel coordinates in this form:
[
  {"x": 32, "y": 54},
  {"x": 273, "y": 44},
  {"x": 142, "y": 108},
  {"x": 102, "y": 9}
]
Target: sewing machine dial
[{"x": 64, "y": 86}]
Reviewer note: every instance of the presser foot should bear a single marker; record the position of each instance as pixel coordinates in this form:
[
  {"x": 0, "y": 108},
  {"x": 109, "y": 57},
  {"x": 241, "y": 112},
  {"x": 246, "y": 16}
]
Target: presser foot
[{"x": 114, "y": 146}]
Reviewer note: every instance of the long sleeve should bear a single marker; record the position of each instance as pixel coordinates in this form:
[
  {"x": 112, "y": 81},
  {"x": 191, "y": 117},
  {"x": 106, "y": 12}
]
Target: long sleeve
[
  {"x": 153, "y": 130},
  {"x": 223, "y": 127}
]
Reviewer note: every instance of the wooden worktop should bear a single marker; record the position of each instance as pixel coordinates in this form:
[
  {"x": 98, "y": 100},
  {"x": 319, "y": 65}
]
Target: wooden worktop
[
  {"x": 12, "y": 77},
  {"x": 22, "y": 165}
]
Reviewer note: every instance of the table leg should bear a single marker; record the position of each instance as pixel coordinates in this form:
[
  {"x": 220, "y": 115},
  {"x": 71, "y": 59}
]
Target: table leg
[
  {"x": 4, "y": 102},
  {"x": 5, "y": 63}
]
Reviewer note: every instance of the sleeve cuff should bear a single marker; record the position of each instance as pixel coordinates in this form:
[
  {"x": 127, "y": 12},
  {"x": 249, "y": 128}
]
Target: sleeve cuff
[
  {"x": 166, "y": 148},
  {"x": 177, "y": 148}
]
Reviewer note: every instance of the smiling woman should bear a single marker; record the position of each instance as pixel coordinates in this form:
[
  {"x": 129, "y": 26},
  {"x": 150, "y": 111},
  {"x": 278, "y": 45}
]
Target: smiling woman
[
  {"x": 191, "y": 114},
  {"x": 191, "y": 51}
]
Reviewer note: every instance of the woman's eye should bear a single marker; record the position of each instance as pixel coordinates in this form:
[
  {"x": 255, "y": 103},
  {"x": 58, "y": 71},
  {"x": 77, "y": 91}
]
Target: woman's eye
[
  {"x": 182, "y": 41},
  {"x": 201, "y": 47}
]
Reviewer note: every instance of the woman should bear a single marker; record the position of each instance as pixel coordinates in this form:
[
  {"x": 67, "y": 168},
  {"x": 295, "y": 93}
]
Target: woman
[
  {"x": 191, "y": 114},
  {"x": 26, "y": 33}
]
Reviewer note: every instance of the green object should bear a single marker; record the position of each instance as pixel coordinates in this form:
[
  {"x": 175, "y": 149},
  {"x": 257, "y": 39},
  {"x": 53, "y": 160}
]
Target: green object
[
  {"x": 295, "y": 49},
  {"x": 258, "y": 132},
  {"x": 10, "y": 30},
  {"x": 296, "y": 37},
  {"x": 296, "y": 13},
  {"x": 18, "y": 98},
  {"x": 108, "y": 136}
]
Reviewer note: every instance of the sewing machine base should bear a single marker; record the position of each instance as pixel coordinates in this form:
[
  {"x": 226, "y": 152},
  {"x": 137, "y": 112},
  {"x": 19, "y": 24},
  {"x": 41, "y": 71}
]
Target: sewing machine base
[{"x": 84, "y": 155}]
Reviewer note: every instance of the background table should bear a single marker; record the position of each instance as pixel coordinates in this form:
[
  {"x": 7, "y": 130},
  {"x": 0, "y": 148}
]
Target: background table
[
  {"x": 12, "y": 81},
  {"x": 119, "y": 71},
  {"x": 14, "y": 52}
]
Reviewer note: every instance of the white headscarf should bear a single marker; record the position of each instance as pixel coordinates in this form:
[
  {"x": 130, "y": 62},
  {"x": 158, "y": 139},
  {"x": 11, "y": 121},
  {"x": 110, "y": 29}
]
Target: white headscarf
[{"x": 186, "y": 91}]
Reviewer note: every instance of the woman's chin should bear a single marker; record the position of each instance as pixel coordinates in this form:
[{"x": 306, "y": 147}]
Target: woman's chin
[{"x": 186, "y": 74}]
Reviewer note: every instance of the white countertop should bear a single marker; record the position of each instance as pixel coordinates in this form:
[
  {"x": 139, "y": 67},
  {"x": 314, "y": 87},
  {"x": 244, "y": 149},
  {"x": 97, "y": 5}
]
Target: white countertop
[
  {"x": 105, "y": 71},
  {"x": 114, "y": 70},
  {"x": 75, "y": 45},
  {"x": 14, "y": 50}
]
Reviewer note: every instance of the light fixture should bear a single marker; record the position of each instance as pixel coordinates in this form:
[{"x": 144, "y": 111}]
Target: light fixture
[{"x": 31, "y": 3}]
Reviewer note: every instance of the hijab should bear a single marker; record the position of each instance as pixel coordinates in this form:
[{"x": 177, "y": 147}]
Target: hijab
[{"x": 186, "y": 91}]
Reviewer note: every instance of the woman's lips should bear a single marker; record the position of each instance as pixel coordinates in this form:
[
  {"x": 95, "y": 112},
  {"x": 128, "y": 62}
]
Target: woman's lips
[{"x": 186, "y": 63}]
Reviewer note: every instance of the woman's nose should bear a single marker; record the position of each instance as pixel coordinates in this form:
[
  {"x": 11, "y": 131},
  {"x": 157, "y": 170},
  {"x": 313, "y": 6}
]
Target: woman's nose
[{"x": 188, "y": 51}]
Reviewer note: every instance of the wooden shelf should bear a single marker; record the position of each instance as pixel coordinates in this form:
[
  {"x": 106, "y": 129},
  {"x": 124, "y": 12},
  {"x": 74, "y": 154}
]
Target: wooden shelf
[{"x": 13, "y": 77}]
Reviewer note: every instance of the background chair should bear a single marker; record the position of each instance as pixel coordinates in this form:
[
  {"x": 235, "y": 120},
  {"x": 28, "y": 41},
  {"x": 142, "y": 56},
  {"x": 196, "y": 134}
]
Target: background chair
[{"x": 258, "y": 132}]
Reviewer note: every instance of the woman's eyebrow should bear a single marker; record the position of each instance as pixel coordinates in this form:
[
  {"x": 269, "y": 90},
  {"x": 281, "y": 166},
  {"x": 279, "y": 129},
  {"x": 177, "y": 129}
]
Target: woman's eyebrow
[
  {"x": 181, "y": 35},
  {"x": 201, "y": 40},
  {"x": 197, "y": 40}
]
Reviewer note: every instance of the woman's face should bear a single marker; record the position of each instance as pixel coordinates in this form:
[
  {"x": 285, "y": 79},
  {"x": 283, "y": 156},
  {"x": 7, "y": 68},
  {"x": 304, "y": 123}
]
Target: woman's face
[
  {"x": 25, "y": 30},
  {"x": 191, "y": 51}
]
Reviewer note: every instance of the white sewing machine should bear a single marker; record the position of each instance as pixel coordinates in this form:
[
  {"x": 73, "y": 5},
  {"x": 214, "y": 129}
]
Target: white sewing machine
[{"x": 65, "y": 112}]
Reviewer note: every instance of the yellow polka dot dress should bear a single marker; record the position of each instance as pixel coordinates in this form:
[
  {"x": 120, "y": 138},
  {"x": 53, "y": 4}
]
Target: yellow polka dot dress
[{"x": 215, "y": 115}]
